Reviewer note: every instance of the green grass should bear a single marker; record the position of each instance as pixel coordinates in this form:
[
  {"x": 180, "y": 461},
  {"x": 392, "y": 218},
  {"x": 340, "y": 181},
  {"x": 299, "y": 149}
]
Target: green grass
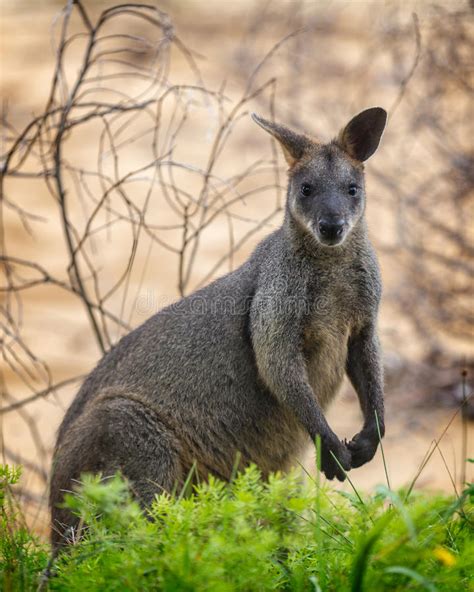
[{"x": 251, "y": 536}]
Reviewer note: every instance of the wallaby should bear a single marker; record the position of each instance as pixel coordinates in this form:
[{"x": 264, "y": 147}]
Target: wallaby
[{"x": 245, "y": 367}]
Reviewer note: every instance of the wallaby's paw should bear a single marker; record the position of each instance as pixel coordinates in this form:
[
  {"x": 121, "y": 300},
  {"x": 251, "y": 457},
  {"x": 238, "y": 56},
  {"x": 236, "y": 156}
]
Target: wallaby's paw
[
  {"x": 362, "y": 447},
  {"x": 329, "y": 466}
]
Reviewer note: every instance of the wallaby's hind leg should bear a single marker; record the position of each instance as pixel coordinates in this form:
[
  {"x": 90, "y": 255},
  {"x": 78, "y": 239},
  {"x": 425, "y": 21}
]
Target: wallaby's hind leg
[{"x": 116, "y": 433}]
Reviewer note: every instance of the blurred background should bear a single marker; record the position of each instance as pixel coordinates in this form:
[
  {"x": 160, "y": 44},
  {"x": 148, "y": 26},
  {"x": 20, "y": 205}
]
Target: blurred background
[{"x": 132, "y": 174}]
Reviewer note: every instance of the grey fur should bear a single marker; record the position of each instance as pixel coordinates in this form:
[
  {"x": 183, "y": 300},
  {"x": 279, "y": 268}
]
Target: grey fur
[{"x": 246, "y": 366}]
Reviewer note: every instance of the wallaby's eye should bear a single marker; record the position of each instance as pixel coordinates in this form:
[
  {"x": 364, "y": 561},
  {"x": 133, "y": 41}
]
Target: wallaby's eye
[
  {"x": 306, "y": 189},
  {"x": 353, "y": 189}
]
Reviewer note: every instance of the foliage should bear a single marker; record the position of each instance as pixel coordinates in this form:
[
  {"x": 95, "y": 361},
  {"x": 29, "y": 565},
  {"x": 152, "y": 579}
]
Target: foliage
[
  {"x": 252, "y": 535},
  {"x": 22, "y": 555}
]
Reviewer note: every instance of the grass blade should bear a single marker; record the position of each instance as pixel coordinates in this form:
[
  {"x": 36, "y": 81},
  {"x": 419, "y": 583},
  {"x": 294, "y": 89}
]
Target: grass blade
[
  {"x": 414, "y": 575},
  {"x": 382, "y": 450},
  {"x": 363, "y": 554}
]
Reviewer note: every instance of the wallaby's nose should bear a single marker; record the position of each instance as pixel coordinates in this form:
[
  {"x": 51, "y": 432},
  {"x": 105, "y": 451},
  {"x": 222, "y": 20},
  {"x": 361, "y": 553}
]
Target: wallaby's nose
[{"x": 331, "y": 229}]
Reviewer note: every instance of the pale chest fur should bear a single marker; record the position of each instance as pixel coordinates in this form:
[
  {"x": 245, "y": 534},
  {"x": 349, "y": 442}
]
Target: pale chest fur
[{"x": 340, "y": 306}]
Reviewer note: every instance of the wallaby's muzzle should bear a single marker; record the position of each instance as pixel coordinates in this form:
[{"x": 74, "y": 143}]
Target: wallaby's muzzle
[{"x": 331, "y": 232}]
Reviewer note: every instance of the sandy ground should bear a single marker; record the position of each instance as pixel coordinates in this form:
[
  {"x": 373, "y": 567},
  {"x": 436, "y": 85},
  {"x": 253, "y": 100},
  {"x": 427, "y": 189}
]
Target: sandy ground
[{"x": 57, "y": 328}]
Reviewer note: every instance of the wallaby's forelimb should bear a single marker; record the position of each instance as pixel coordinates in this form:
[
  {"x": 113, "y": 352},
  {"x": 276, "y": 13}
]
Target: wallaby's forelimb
[{"x": 364, "y": 369}]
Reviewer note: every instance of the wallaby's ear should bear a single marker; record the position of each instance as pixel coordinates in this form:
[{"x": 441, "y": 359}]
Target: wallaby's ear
[
  {"x": 361, "y": 136},
  {"x": 294, "y": 145}
]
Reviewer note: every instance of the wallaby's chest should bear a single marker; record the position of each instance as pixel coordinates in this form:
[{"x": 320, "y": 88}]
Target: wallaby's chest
[
  {"x": 338, "y": 302},
  {"x": 338, "y": 307}
]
